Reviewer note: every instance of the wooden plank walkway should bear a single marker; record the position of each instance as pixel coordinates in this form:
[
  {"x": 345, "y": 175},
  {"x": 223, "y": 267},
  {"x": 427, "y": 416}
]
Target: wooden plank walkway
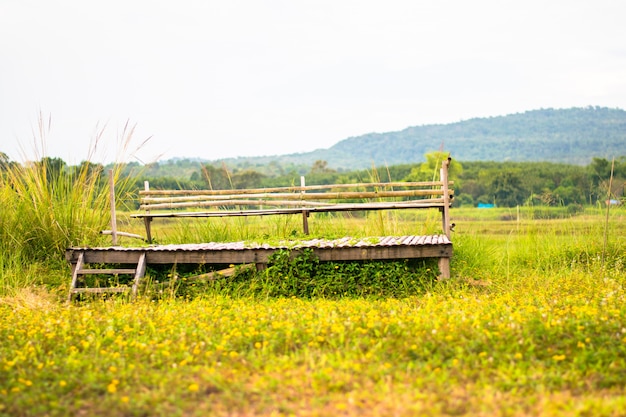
[
  {"x": 344, "y": 249},
  {"x": 235, "y": 253}
]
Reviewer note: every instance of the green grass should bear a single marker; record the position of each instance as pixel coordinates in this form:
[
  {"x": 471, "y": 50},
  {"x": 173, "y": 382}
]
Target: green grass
[
  {"x": 48, "y": 207},
  {"x": 531, "y": 323}
]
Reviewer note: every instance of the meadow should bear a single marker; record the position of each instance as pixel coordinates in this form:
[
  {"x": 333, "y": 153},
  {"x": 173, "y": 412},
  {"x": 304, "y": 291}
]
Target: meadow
[{"x": 532, "y": 323}]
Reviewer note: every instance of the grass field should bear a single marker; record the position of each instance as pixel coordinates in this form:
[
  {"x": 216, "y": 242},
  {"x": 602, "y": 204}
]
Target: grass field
[{"x": 532, "y": 323}]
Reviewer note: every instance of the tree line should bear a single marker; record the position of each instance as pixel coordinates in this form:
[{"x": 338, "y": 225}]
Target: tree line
[{"x": 505, "y": 184}]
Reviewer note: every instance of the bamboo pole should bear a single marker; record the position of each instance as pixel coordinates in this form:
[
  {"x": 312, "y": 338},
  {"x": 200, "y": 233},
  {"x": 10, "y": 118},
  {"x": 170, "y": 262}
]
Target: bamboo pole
[
  {"x": 415, "y": 204},
  {"x": 147, "y": 219},
  {"x": 113, "y": 214},
  {"x": 292, "y": 189},
  {"x": 125, "y": 234},
  {"x": 446, "y": 197},
  {"x": 305, "y": 214},
  {"x": 301, "y": 196}
]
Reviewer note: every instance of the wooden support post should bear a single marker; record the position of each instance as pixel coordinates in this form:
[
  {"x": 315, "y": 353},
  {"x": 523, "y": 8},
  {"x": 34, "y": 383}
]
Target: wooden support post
[
  {"x": 147, "y": 220},
  {"x": 140, "y": 271},
  {"x": 75, "y": 271},
  {"x": 305, "y": 213},
  {"x": 113, "y": 215},
  {"x": 444, "y": 268},
  {"x": 444, "y": 263},
  {"x": 445, "y": 213}
]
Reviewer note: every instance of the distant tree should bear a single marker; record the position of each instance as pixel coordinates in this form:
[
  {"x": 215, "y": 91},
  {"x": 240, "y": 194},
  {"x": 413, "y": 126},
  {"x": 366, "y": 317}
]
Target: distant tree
[
  {"x": 216, "y": 178},
  {"x": 429, "y": 170},
  {"x": 88, "y": 171},
  {"x": 320, "y": 167},
  {"x": 506, "y": 189},
  {"x": 247, "y": 179},
  {"x": 600, "y": 170},
  {"x": 568, "y": 194},
  {"x": 471, "y": 187},
  {"x": 275, "y": 169},
  {"x": 90, "y": 168},
  {"x": 5, "y": 162}
]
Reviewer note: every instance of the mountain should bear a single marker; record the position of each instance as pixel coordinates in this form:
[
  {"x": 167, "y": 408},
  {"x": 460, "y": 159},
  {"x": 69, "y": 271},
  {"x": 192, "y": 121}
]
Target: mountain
[{"x": 574, "y": 136}]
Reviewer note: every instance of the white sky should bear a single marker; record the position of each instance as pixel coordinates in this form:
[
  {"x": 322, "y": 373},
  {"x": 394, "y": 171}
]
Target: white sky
[{"x": 215, "y": 79}]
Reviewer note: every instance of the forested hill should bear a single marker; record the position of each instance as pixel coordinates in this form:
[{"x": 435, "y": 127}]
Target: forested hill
[{"x": 555, "y": 135}]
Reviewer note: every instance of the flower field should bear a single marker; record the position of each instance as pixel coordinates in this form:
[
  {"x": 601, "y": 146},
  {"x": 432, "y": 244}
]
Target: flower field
[{"x": 509, "y": 340}]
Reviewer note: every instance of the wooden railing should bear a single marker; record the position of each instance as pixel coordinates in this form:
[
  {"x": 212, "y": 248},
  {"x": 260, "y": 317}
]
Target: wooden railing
[{"x": 304, "y": 200}]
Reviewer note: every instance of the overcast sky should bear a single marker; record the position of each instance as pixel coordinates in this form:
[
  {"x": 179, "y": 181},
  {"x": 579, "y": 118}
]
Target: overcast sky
[{"x": 215, "y": 79}]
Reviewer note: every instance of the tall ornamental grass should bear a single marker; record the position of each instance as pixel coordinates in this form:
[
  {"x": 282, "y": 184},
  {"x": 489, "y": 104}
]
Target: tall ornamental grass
[{"x": 46, "y": 208}]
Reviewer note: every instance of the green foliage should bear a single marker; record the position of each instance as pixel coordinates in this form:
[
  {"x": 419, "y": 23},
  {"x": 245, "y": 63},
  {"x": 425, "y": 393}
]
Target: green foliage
[
  {"x": 507, "y": 189},
  {"x": 300, "y": 274},
  {"x": 429, "y": 170},
  {"x": 536, "y": 183}
]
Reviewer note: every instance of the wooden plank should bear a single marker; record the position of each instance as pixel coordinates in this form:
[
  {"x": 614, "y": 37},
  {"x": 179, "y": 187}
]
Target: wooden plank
[
  {"x": 77, "y": 264},
  {"x": 95, "y": 271},
  {"x": 139, "y": 273},
  {"x": 211, "y": 257},
  {"x": 383, "y": 253},
  {"x": 156, "y": 255},
  {"x": 125, "y": 234},
  {"x": 444, "y": 268},
  {"x": 100, "y": 290},
  {"x": 227, "y": 272}
]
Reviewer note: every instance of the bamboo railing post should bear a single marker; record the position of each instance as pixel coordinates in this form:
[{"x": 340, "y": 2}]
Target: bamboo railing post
[
  {"x": 444, "y": 262},
  {"x": 147, "y": 219},
  {"x": 113, "y": 215},
  {"x": 446, "y": 197},
  {"x": 305, "y": 213}
]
